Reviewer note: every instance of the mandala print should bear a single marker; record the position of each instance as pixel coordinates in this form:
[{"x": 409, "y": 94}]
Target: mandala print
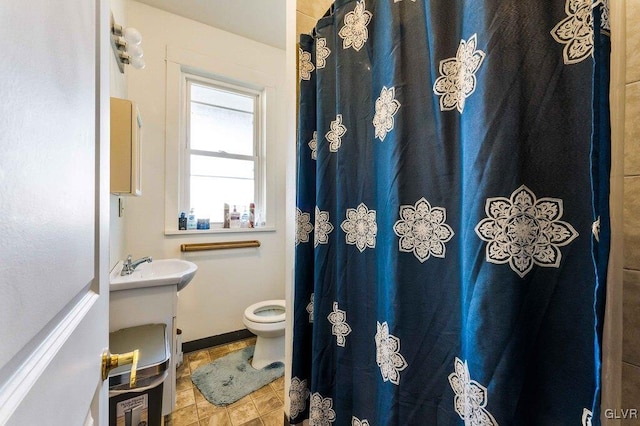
[
  {"x": 354, "y": 33},
  {"x": 397, "y": 1},
  {"x": 360, "y": 227},
  {"x": 323, "y": 228},
  {"x": 471, "y": 397},
  {"x": 313, "y": 145},
  {"x": 339, "y": 326},
  {"x": 576, "y": 31},
  {"x": 457, "y": 79},
  {"x": 357, "y": 422},
  {"x": 298, "y": 394},
  {"x": 605, "y": 26},
  {"x": 334, "y": 136},
  {"x": 587, "y": 416},
  {"x": 386, "y": 107},
  {"x": 595, "y": 229},
  {"x": 422, "y": 230},
  {"x": 322, "y": 52},
  {"x": 388, "y": 356},
  {"x": 310, "y": 309},
  {"x": 320, "y": 411},
  {"x": 305, "y": 67},
  {"x": 304, "y": 226},
  {"x": 524, "y": 231}
]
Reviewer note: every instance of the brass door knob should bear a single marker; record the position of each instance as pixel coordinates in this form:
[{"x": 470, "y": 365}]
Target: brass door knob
[{"x": 111, "y": 361}]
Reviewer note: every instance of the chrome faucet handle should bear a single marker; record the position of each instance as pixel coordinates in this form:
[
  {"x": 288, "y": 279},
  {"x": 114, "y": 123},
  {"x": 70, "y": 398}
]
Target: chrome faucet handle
[{"x": 129, "y": 259}]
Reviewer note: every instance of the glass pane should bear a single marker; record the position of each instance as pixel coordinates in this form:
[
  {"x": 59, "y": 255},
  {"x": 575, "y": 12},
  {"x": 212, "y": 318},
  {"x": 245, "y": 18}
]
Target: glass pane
[
  {"x": 208, "y": 195},
  {"x": 202, "y": 165},
  {"x": 221, "y": 121},
  {"x": 215, "y": 181}
]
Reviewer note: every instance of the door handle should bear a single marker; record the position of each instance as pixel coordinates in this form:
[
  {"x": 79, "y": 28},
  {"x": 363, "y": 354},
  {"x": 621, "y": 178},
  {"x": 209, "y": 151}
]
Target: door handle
[{"x": 111, "y": 361}]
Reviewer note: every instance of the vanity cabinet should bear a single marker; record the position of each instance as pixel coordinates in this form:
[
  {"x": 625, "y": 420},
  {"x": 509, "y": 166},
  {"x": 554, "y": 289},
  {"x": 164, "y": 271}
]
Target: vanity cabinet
[{"x": 125, "y": 147}]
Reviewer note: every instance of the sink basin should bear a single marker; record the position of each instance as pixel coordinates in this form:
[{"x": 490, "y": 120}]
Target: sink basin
[{"x": 160, "y": 272}]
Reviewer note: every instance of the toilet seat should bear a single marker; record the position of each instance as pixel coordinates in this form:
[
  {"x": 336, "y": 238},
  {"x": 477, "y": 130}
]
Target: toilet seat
[{"x": 262, "y": 312}]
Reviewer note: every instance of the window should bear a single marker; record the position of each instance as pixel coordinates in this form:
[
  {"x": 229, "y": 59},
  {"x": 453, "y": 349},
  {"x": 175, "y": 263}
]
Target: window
[{"x": 222, "y": 161}]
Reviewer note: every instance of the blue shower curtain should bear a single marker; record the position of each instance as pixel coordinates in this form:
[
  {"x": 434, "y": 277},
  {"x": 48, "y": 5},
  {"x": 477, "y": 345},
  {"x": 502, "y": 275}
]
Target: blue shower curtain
[{"x": 452, "y": 213}]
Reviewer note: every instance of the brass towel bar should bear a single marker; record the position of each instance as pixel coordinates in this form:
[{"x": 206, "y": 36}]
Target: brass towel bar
[{"x": 219, "y": 246}]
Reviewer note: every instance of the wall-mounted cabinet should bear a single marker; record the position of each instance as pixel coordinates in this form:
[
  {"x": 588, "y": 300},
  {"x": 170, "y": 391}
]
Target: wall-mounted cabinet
[{"x": 125, "y": 147}]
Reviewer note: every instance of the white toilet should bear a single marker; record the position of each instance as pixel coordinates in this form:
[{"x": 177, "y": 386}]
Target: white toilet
[{"x": 266, "y": 320}]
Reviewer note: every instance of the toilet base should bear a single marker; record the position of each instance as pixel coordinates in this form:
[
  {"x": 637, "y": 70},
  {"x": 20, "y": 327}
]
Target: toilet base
[{"x": 268, "y": 350}]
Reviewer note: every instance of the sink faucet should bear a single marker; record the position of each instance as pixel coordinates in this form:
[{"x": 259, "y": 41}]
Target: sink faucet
[{"x": 130, "y": 265}]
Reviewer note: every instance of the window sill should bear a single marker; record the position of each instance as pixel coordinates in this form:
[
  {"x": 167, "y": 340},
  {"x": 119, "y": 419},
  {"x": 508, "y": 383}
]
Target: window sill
[{"x": 173, "y": 232}]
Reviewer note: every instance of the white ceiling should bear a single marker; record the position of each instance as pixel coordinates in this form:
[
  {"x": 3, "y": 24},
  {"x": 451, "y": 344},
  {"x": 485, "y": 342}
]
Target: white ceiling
[{"x": 260, "y": 20}]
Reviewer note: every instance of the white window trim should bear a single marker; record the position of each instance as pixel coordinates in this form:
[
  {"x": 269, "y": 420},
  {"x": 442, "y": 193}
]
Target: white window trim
[{"x": 179, "y": 62}]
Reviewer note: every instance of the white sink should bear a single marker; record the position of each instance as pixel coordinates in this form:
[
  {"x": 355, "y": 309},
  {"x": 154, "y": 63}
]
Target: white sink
[{"x": 157, "y": 273}]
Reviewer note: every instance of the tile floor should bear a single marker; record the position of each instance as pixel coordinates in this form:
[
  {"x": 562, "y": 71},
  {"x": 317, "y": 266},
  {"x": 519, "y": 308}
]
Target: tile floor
[{"x": 263, "y": 407}]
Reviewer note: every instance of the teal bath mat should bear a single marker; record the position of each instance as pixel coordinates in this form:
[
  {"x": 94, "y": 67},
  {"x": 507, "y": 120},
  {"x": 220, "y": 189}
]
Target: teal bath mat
[{"x": 230, "y": 378}]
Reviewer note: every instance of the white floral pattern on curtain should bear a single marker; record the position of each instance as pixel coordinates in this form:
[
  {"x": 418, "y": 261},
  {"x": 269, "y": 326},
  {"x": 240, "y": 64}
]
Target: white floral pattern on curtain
[
  {"x": 386, "y": 107},
  {"x": 524, "y": 231},
  {"x": 322, "y": 52},
  {"x": 388, "y": 356},
  {"x": 309, "y": 308},
  {"x": 298, "y": 395},
  {"x": 305, "y": 67},
  {"x": 576, "y": 31},
  {"x": 360, "y": 227},
  {"x": 303, "y": 226},
  {"x": 339, "y": 326},
  {"x": 422, "y": 230},
  {"x": 470, "y": 397},
  {"x": 457, "y": 79},
  {"x": 320, "y": 411},
  {"x": 322, "y": 227},
  {"x": 354, "y": 33},
  {"x": 313, "y": 146},
  {"x": 334, "y": 136}
]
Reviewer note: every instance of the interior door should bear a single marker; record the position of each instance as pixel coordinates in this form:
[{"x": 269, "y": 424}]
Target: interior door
[{"x": 54, "y": 211}]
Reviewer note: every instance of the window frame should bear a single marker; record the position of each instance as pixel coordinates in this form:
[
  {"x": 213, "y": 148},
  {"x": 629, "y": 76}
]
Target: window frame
[
  {"x": 253, "y": 76},
  {"x": 188, "y": 78}
]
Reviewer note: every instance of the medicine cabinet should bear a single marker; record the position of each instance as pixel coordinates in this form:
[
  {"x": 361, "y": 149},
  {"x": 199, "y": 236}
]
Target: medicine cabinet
[{"x": 125, "y": 147}]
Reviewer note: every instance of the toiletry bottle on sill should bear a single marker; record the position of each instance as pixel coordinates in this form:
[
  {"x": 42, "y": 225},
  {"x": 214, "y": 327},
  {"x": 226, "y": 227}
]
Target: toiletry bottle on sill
[
  {"x": 182, "y": 221},
  {"x": 192, "y": 223},
  {"x": 234, "y": 218}
]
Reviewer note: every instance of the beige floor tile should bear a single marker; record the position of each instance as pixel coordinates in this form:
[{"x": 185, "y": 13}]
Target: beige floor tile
[
  {"x": 184, "y": 398},
  {"x": 218, "y": 352},
  {"x": 241, "y": 401},
  {"x": 199, "y": 396},
  {"x": 254, "y": 422},
  {"x": 241, "y": 344},
  {"x": 266, "y": 404},
  {"x": 193, "y": 365},
  {"x": 184, "y": 416},
  {"x": 183, "y": 370},
  {"x": 184, "y": 383},
  {"x": 220, "y": 418},
  {"x": 263, "y": 391},
  {"x": 243, "y": 413},
  {"x": 206, "y": 409},
  {"x": 274, "y": 418},
  {"x": 198, "y": 355},
  {"x": 278, "y": 384}
]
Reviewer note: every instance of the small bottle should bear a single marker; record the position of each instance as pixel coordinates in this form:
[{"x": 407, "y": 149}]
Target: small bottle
[
  {"x": 234, "y": 218},
  {"x": 225, "y": 223},
  {"x": 192, "y": 223},
  {"x": 182, "y": 221},
  {"x": 244, "y": 218},
  {"x": 252, "y": 215}
]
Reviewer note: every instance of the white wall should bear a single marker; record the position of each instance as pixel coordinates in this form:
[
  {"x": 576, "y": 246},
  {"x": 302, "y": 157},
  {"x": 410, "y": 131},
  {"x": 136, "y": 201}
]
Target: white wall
[
  {"x": 118, "y": 89},
  {"x": 227, "y": 281}
]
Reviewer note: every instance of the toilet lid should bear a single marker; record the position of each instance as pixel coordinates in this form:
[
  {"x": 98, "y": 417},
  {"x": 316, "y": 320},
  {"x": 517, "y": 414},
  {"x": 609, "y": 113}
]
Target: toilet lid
[{"x": 269, "y": 311}]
